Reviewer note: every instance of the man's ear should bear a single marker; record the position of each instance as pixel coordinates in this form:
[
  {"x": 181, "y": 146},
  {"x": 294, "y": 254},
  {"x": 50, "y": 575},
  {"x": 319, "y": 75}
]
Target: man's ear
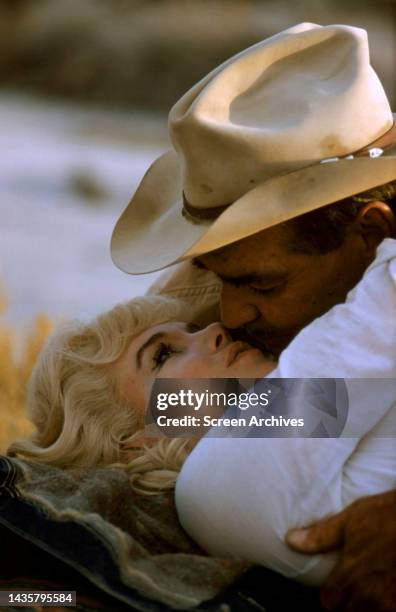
[{"x": 376, "y": 222}]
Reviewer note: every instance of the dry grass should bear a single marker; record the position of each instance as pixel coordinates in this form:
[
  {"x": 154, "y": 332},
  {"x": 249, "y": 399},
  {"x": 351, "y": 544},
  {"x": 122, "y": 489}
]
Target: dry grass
[{"x": 14, "y": 374}]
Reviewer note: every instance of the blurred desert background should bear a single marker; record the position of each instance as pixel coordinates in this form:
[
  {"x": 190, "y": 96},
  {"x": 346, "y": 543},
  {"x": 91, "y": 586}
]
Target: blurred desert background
[{"x": 85, "y": 87}]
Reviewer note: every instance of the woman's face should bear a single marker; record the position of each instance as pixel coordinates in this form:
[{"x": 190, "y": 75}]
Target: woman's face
[{"x": 182, "y": 350}]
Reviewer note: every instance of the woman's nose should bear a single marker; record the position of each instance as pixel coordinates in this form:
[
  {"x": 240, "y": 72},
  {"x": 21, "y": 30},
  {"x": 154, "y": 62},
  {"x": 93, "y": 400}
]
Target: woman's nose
[{"x": 215, "y": 337}]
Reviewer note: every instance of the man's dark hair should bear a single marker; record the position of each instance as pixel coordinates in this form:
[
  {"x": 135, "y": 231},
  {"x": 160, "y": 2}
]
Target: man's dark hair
[{"x": 323, "y": 230}]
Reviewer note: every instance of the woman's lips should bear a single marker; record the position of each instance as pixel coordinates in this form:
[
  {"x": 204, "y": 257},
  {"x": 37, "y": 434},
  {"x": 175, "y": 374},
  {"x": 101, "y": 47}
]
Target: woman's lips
[{"x": 235, "y": 349}]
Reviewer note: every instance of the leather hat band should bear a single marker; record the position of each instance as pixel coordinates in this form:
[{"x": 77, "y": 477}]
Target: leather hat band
[{"x": 201, "y": 214}]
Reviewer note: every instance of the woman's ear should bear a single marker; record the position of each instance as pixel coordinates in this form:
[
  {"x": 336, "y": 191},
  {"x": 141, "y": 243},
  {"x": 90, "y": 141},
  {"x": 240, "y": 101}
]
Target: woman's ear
[{"x": 376, "y": 222}]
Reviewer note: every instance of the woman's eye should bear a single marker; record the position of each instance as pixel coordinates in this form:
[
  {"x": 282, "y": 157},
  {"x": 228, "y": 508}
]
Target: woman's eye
[{"x": 162, "y": 354}]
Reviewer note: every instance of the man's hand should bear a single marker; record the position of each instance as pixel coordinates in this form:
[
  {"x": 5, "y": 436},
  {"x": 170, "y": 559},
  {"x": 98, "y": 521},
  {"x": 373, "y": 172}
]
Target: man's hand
[{"x": 365, "y": 576}]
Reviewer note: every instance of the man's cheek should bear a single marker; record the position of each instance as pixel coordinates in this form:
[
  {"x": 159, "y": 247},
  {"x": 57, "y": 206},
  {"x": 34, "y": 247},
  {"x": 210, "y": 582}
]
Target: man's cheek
[{"x": 276, "y": 315}]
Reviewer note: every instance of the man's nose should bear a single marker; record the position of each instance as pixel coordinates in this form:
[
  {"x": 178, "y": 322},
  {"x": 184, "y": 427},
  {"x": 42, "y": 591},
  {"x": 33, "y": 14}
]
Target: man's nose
[{"x": 236, "y": 307}]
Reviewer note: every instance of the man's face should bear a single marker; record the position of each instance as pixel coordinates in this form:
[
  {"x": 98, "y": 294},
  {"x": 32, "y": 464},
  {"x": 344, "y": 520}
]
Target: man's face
[{"x": 271, "y": 291}]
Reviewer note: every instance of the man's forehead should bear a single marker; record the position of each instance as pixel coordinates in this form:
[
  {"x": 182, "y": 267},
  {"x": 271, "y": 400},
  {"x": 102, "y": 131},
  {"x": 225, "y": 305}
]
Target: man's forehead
[
  {"x": 244, "y": 272},
  {"x": 263, "y": 240},
  {"x": 253, "y": 254}
]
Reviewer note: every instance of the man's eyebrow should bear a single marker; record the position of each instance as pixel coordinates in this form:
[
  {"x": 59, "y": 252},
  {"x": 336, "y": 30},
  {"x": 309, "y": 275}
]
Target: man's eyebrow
[
  {"x": 152, "y": 340},
  {"x": 266, "y": 278},
  {"x": 244, "y": 279}
]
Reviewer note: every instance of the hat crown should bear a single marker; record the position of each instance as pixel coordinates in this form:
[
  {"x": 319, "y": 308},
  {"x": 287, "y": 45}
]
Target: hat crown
[{"x": 305, "y": 94}]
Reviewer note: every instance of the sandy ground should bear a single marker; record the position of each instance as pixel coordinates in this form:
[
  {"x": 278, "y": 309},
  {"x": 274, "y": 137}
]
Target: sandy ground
[{"x": 66, "y": 174}]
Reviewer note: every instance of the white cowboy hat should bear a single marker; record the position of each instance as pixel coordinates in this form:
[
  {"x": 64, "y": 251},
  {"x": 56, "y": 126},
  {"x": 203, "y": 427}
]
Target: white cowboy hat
[{"x": 284, "y": 127}]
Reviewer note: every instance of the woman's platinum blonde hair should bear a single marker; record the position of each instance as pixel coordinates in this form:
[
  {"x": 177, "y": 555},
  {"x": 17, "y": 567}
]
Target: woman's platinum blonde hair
[{"x": 80, "y": 418}]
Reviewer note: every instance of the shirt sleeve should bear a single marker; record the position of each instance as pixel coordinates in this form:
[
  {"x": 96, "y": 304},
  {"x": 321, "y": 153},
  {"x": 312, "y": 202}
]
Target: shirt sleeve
[
  {"x": 356, "y": 339},
  {"x": 238, "y": 497}
]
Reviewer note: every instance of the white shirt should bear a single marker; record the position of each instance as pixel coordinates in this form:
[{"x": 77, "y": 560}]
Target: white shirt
[{"x": 238, "y": 497}]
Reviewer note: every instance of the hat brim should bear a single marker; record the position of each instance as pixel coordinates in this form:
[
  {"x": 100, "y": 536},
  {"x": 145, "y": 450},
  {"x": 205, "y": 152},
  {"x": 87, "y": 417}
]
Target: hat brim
[{"x": 152, "y": 232}]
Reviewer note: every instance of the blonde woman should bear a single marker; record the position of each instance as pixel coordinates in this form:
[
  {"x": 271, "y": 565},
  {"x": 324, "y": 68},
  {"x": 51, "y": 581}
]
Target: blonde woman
[{"x": 88, "y": 390}]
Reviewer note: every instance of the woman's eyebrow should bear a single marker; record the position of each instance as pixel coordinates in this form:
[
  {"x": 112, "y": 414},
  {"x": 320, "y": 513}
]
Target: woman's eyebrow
[{"x": 152, "y": 340}]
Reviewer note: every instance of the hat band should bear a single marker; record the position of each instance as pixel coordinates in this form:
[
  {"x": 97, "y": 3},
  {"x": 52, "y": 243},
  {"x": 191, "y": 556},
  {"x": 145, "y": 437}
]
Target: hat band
[
  {"x": 201, "y": 214},
  {"x": 196, "y": 215}
]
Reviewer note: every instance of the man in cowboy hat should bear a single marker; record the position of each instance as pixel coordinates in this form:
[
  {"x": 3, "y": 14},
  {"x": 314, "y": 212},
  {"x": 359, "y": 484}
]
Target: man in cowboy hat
[{"x": 282, "y": 183}]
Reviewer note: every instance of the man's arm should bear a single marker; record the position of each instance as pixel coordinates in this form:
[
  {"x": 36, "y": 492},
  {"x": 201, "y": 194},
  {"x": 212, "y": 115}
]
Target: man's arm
[
  {"x": 365, "y": 576},
  {"x": 365, "y": 532},
  {"x": 262, "y": 488}
]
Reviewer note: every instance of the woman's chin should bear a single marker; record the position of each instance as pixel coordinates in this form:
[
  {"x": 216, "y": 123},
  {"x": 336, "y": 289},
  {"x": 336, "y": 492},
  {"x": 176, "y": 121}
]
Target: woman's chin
[{"x": 251, "y": 364}]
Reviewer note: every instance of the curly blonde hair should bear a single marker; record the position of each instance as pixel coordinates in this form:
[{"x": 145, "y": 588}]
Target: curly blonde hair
[{"x": 80, "y": 419}]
